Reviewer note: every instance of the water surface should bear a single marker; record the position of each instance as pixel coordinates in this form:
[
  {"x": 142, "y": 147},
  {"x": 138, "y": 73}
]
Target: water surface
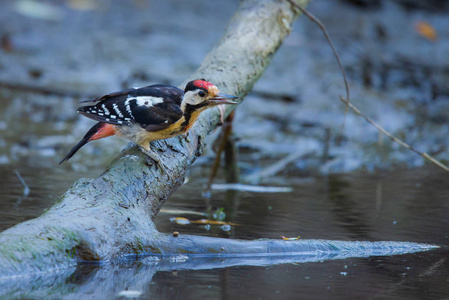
[{"x": 406, "y": 205}]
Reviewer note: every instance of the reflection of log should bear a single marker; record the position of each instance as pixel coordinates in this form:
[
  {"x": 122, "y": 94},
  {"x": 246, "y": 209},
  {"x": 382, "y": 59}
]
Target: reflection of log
[
  {"x": 96, "y": 282},
  {"x": 112, "y": 215}
]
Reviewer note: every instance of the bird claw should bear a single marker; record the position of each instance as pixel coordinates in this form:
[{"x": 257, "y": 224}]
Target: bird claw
[{"x": 157, "y": 159}]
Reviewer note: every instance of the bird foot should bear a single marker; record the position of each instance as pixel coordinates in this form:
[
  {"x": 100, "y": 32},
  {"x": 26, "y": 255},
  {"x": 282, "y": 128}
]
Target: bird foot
[{"x": 157, "y": 159}]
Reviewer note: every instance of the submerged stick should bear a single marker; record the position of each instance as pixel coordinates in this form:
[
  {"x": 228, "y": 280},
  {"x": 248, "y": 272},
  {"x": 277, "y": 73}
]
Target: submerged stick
[{"x": 26, "y": 189}]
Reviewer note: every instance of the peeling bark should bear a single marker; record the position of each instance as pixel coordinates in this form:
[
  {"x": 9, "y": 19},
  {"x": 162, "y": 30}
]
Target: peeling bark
[{"x": 112, "y": 216}]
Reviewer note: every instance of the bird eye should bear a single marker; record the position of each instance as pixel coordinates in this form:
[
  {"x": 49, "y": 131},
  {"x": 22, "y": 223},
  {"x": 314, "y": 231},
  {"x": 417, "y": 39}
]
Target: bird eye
[{"x": 202, "y": 93}]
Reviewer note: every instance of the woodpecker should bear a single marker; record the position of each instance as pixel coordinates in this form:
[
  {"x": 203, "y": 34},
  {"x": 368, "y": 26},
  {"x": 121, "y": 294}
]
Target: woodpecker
[{"x": 150, "y": 113}]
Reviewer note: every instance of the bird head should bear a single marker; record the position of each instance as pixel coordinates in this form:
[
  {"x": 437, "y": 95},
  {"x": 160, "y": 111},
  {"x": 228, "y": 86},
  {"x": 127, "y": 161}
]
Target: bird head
[{"x": 200, "y": 95}]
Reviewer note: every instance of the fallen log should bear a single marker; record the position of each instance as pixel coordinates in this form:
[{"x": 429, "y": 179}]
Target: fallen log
[{"x": 111, "y": 217}]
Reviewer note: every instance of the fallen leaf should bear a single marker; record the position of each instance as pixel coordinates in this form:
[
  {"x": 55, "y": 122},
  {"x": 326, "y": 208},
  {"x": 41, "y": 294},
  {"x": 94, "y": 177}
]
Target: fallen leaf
[
  {"x": 251, "y": 188},
  {"x": 426, "y": 30},
  {"x": 129, "y": 294},
  {"x": 212, "y": 222},
  {"x": 181, "y": 212},
  {"x": 180, "y": 221},
  {"x": 290, "y": 239},
  {"x": 185, "y": 221}
]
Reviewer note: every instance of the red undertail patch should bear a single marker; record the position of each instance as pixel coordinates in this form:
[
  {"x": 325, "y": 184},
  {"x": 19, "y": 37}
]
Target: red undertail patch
[{"x": 104, "y": 131}]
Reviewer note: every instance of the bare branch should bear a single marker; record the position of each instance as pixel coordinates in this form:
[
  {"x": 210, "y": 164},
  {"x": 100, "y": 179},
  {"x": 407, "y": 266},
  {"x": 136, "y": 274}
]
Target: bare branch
[
  {"x": 323, "y": 29},
  {"x": 352, "y": 107},
  {"x": 395, "y": 139}
]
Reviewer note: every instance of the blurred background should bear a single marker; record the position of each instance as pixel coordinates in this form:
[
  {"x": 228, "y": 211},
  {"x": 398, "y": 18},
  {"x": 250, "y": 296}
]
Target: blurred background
[
  {"x": 346, "y": 180},
  {"x": 56, "y": 53}
]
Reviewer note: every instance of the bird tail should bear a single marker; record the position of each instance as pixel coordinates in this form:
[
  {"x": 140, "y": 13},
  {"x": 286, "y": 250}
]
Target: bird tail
[{"x": 98, "y": 131}]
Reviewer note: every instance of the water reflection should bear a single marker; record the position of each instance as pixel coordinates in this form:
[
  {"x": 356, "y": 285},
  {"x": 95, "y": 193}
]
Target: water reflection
[
  {"x": 409, "y": 276},
  {"x": 345, "y": 209},
  {"x": 413, "y": 208}
]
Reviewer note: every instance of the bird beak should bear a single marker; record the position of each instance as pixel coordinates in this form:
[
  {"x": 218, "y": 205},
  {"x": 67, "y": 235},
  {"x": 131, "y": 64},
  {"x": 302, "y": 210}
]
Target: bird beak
[{"x": 221, "y": 98}]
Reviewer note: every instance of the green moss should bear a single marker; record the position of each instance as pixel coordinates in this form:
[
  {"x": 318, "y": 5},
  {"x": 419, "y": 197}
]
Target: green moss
[
  {"x": 153, "y": 250},
  {"x": 184, "y": 251},
  {"x": 214, "y": 251},
  {"x": 139, "y": 245},
  {"x": 71, "y": 252}
]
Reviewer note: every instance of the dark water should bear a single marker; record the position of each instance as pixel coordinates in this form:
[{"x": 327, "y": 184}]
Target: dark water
[{"x": 407, "y": 205}]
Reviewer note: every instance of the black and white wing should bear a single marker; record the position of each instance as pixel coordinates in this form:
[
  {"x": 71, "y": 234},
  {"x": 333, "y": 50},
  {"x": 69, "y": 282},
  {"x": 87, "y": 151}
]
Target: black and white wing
[{"x": 153, "y": 107}]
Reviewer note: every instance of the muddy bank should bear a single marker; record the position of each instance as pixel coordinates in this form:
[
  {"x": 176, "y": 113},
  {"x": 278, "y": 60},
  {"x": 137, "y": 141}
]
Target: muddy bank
[{"x": 70, "y": 52}]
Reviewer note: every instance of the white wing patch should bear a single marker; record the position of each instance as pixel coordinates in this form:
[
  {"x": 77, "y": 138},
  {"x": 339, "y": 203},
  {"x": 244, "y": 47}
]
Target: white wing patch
[
  {"x": 142, "y": 101},
  {"x": 147, "y": 100}
]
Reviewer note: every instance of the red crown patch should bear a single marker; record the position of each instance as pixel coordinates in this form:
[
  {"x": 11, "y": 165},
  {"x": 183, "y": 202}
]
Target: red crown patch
[{"x": 202, "y": 84}]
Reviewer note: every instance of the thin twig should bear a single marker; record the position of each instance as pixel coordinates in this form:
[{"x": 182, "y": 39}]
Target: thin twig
[
  {"x": 223, "y": 138},
  {"x": 355, "y": 109},
  {"x": 400, "y": 142},
  {"x": 323, "y": 29},
  {"x": 277, "y": 167},
  {"x": 26, "y": 189}
]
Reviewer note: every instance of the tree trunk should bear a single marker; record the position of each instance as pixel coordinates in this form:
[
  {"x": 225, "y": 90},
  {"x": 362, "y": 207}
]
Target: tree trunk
[{"x": 112, "y": 216}]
